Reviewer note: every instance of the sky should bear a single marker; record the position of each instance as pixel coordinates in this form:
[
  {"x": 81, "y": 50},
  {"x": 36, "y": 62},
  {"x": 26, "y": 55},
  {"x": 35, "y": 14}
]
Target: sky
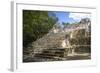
[{"x": 70, "y": 17}]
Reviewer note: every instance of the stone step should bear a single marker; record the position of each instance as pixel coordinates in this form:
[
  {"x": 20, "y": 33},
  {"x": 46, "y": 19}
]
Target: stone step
[
  {"x": 45, "y": 56},
  {"x": 51, "y": 54},
  {"x": 53, "y": 50}
]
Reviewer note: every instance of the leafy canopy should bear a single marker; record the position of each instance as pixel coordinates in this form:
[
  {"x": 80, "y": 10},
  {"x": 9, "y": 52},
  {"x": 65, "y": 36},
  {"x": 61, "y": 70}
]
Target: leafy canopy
[{"x": 36, "y": 24}]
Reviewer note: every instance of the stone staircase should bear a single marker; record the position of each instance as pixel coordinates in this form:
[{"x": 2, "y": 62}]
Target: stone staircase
[
  {"x": 50, "y": 55},
  {"x": 49, "y": 47},
  {"x": 47, "y": 55}
]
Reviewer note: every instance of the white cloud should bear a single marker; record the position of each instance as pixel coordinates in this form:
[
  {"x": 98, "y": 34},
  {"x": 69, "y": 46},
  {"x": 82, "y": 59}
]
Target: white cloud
[{"x": 79, "y": 16}]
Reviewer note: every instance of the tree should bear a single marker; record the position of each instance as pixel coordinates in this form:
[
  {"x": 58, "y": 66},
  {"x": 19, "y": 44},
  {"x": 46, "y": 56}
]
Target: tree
[
  {"x": 35, "y": 25},
  {"x": 65, "y": 24}
]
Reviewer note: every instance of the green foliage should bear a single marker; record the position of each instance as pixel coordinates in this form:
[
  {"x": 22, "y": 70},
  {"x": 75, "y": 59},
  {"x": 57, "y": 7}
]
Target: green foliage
[
  {"x": 65, "y": 24},
  {"x": 36, "y": 24}
]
